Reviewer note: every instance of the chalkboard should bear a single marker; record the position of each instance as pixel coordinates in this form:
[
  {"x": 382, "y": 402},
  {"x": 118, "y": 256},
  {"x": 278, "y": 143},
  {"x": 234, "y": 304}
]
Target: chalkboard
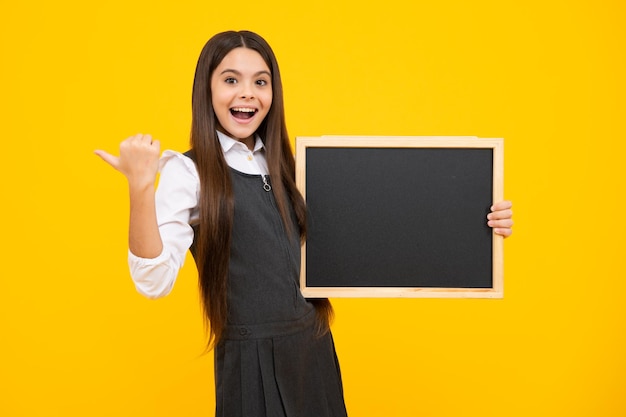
[{"x": 400, "y": 216}]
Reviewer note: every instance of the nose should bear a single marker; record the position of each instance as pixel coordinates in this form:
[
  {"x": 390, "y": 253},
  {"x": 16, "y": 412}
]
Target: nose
[{"x": 247, "y": 92}]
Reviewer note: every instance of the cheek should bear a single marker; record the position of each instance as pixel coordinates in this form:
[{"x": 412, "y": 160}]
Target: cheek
[
  {"x": 220, "y": 109},
  {"x": 216, "y": 97},
  {"x": 218, "y": 93}
]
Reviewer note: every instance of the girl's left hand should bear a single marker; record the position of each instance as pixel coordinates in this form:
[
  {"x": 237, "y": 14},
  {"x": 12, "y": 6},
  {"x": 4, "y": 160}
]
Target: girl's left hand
[{"x": 500, "y": 218}]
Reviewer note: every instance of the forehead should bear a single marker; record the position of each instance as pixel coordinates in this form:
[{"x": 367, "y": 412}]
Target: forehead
[{"x": 243, "y": 60}]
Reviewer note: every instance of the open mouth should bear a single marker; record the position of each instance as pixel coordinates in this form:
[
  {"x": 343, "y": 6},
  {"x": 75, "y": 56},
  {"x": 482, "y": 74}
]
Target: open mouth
[{"x": 242, "y": 112}]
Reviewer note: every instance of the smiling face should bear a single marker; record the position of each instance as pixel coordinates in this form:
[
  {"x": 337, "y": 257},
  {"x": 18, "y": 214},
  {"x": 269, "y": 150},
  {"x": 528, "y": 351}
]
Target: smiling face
[{"x": 241, "y": 94}]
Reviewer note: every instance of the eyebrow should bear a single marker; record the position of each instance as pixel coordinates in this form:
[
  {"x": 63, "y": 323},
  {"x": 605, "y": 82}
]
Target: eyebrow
[{"x": 239, "y": 73}]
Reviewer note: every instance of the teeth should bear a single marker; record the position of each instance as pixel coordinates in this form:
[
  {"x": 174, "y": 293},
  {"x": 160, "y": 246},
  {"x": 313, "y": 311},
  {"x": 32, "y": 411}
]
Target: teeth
[{"x": 243, "y": 110}]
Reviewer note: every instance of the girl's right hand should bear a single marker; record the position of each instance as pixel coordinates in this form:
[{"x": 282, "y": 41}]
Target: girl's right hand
[{"x": 138, "y": 160}]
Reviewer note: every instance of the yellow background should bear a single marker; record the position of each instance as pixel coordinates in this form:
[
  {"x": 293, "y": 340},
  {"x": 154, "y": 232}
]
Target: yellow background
[{"x": 548, "y": 76}]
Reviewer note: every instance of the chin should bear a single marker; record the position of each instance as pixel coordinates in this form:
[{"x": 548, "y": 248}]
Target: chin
[{"x": 241, "y": 134}]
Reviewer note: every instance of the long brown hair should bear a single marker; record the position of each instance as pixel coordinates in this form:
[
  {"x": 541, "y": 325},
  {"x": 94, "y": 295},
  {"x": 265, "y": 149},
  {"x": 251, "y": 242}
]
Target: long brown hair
[{"x": 216, "y": 198}]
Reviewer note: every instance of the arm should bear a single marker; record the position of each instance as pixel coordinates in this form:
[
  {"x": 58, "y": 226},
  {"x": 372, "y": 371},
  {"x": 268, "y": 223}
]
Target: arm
[
  {"x": 159, "y": 232},
  {"x": 500, "y": 218},
  {"x": 139, "y": 163}
]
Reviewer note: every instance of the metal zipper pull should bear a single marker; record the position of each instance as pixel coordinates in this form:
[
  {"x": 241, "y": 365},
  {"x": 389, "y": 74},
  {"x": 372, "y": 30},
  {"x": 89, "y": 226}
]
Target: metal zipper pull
[{"x": 266, "y": 185}]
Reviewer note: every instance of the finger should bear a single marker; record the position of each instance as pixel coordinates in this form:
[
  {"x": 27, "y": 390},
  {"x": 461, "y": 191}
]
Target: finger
[
  {"x": 134, "y": 138},
  {"x": 502, "y": 205},
  {"x": 136, "y": 142},
  {"x": 497, "y": 224},
  {"x": 108, "y": 158},
  {"x": 142, "y": 140},
  {"x": 501, "y": 214},
  {"x": 503, "y": 232}
]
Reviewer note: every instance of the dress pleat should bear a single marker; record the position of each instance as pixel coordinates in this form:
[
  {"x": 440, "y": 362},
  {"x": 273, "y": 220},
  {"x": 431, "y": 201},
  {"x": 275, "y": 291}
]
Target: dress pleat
[
  {"x": 285, "y": 375},
  {"x": 252, "y": 400},
  {"x": 228, "y": 385},
  {"x": 273, "y": 398}
]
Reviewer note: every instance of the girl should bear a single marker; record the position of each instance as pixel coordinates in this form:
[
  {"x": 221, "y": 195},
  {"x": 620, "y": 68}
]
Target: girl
[{"x": 232, "y": 200}]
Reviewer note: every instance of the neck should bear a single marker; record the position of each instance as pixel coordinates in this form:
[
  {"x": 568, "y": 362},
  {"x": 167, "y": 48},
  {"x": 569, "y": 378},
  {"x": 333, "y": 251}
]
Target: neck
[{"x": 249, "y": 142}]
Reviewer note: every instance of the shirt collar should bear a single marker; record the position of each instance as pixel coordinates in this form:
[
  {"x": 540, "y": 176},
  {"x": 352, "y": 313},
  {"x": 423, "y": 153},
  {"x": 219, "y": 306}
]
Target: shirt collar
[{"x": 227, "y": 142}]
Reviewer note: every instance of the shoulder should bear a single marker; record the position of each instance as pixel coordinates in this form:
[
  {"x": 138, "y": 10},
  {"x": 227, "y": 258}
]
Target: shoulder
[
  {"x": 173, "y": 161},
  {"x": 178, "y": 176}
]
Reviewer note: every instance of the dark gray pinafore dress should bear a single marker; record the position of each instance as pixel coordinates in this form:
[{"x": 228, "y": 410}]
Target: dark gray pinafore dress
[{"x": 271, "y": 362}]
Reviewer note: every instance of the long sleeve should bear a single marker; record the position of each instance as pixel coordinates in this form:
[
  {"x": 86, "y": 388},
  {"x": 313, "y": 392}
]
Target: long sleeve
[
  {"x": 177, "y": 197},
  {"x": 176, "y": 208}
]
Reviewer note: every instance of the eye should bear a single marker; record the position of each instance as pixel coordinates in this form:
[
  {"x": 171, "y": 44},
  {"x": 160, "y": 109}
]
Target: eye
[
  {"x": 230, "y": 80},
  {"x": 262, "y": 82}
]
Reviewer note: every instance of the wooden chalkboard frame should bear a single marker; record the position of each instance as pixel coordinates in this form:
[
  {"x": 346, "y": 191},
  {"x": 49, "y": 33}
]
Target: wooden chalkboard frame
[{"x": 496, "y": 145}]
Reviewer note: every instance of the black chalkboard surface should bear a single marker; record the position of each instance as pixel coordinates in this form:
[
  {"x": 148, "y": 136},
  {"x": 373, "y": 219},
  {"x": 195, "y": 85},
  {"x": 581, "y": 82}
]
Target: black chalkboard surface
[{"x": 400, "y": 216}]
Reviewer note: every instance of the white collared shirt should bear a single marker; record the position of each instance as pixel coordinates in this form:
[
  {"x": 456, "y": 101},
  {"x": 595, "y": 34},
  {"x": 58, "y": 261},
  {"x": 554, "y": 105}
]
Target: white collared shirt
[
  {"x": 177, "y": 209},
  {"x": 239, "y": 157}
]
